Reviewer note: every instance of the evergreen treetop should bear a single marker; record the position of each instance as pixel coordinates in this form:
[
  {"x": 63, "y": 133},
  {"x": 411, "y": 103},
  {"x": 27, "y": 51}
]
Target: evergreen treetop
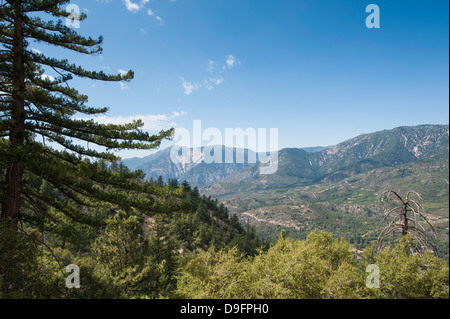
[{"x": 34, "y": 105}]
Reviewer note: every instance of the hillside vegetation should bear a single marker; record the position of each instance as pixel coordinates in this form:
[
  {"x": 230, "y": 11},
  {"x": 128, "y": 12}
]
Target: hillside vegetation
[
  {"x": 127, "y": 254},
  {"x": 341, "y": 194}
]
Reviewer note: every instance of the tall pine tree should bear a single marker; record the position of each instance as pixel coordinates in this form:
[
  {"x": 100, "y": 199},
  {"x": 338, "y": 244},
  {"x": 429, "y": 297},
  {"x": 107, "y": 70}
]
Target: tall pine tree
[{"x": 35, "y": 108}]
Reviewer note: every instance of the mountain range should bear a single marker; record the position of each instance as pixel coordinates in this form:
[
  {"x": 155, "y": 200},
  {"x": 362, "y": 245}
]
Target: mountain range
[
  {"x": 193, "y": 168},
  {"x": 332, "y": 188},
  {"x": 302, "y": 166}
]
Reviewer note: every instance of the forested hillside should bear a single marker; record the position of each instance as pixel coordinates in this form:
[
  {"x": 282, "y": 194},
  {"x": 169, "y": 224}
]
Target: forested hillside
[{"x": 125, "y": 254}]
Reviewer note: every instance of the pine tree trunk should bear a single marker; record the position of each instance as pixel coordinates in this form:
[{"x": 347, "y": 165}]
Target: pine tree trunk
[{"x": 14, "y": 173}]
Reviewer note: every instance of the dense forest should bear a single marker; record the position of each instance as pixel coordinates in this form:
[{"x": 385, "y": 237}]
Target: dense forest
[
  {"x": 68, "y": 204},
  {"x": 123, "y": 255}
]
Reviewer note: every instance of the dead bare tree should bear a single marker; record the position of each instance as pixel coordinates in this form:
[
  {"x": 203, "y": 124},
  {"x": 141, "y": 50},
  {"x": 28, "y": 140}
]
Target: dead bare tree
[{"x": 407, "y": 218}]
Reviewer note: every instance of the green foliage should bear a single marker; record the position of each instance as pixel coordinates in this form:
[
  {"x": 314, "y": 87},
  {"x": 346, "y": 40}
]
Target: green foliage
[
  {"x": 406, "y": 275},
  {"x": 212, "y": 275},
  {"x": 35, "y": 270},
  {"x": 134, "y": 264},
  {"x": 126, "y": 255},
  {"x": 318, "y": 267},
  {"x": 208, "y": 223}
]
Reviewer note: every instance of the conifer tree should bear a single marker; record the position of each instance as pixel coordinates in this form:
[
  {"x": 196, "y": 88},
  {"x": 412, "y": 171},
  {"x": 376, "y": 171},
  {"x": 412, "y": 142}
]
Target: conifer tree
[{"x": 35, "y": 108}]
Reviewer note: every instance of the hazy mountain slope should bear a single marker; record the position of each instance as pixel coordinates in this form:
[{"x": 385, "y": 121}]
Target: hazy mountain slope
[
  {"x": 303, "y": 166},
  {"x": 386, "y": 148},
  {"x": 193, "y": 168},
  {"x": 361, "y": 154}
]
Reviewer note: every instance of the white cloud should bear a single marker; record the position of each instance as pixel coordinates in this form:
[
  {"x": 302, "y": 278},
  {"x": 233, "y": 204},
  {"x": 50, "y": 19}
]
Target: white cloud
[
  {"x": 131, "y": 6},
  {"x": 230, "y": 61},
  {"x": 36, "y": 51},
  {"x": 212, "y": 66},
  {"x": 160, "y": 20},
  {"x": 151, "y": 13},
  {"x": 123, "y": 86},
  {"x": 189, "y": 87},
  {"x": 218, "y": 81},
  {"x": 217, "y": 70},
  {"x": 138, "y": 6},
  {"x": 177, "y": 114},
  {"x": 208, "y": 85},
  {"x": 151, "y": 122},
  {"x": 47, "y": 77}
]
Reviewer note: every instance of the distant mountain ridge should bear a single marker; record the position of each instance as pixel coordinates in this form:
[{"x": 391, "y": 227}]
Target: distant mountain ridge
[
  {"x": 360, "y": 154},
  {"x": 299, "y": 166},
  {"x": 195, "y": 171}
]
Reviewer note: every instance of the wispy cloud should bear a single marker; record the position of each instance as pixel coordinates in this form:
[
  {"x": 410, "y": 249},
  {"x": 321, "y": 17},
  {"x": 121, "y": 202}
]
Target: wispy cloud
[
  {"x": 151, "y": 13},
  {"x": 131, "y": 6},
  {"x": 135, "y": 6},
  {"x": 47, "y": 77},
  {"x": 216, "y": 69},
  {"x": 160, "y": 20},
  {"x": 123, "y": 86},
  {"x": 230, "y": 61},
  {"x": 177, "y": 114},
  {"x": 138, "y": 6},
  {"x": 151, "y": 122},
  {"x": 37, "y": 51},
  {"x": 212, "y": 66},
  {"x": 218, "y": 81},
  {"x": 189, "y": 87}
]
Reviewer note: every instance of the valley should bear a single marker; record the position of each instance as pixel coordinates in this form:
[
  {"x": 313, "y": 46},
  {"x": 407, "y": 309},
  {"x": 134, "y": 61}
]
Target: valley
[{"x": 334, "y": 188}]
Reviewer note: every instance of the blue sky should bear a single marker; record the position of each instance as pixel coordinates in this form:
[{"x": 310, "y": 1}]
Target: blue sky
[{"x": 310, "y": 68}]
